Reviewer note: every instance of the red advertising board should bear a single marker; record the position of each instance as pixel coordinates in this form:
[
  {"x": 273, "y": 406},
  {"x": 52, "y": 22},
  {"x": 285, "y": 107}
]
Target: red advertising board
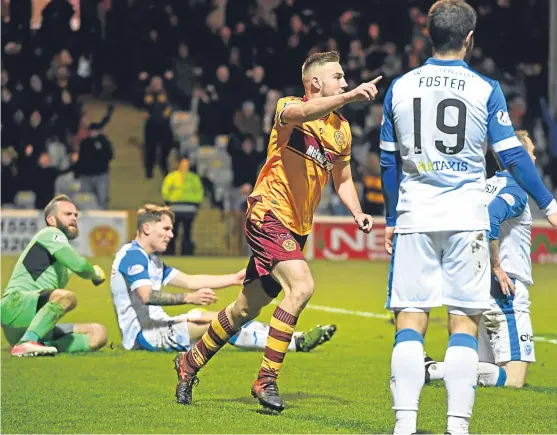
[
  {"x": 544, "y": 244},
  {"x": 338, "y": 238}
]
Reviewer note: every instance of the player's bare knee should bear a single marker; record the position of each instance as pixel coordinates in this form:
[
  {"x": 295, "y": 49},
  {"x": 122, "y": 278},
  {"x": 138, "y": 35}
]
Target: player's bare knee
[
  {"x": 464, "y": 324},
  {"x": 98, "y": 336},
  {"x": 301, "y": 292},
  {"x": 242, "y": 314},
  {"x": 412, "y": 320},
  {"x": 67, "y": 299}
]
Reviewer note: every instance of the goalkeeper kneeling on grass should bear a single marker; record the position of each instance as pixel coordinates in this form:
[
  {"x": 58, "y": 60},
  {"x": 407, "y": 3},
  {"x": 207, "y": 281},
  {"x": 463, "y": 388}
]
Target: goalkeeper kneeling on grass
[
  {"x": 35, "y": 298},
  {"x": 139, "y": 273}
]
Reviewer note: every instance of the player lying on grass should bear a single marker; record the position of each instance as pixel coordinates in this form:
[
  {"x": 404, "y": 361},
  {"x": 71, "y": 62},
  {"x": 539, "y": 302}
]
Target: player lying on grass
[
  {"x": 506, "y": 341},
  {"x": 138, "y": 273},
  {"x": 36, "y": 299}
]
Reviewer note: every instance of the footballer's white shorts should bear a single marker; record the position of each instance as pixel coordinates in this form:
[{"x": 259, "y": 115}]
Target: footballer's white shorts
[
  {"x": 175, "y": 337},
  {"x": 449, "y": 268},
  {"x": 505, "y": 329}
]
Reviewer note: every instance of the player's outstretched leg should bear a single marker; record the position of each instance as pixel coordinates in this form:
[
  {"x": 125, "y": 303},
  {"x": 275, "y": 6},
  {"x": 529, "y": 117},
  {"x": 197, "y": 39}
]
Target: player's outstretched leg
[
  {"x": 226, "y": 324},
  {"x": 58, "y": 302},
  {"x": 188, "y": 364},
  {"x": 254, "y": 334},
  {"x": 295, "y": 278},
  {"x": 309, "y": 340},
  {"x": 72, "y": 338}
]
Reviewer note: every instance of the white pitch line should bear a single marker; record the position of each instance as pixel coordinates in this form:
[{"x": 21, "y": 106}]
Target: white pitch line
[
  {"x": 545, "y": 340},
  {"x": 350, "y": 312},
  {"x": 383, "y": 316}
]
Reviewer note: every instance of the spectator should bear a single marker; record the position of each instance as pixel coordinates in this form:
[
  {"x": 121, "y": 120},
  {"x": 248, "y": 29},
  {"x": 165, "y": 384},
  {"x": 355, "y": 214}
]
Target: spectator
[
  {"x": 157, "y": 132},
  {"x": 182, "y": 191},
  {"x": 372, "y": 200},
  {"x": 247, "y": 121},
  {"x": 187, "y": 76},
  {"x": 246, "y": 162},
  {"x": 93, "y": 164},
  {"x": 44, "y": 177},
  {"x": 256, "y": 88}
]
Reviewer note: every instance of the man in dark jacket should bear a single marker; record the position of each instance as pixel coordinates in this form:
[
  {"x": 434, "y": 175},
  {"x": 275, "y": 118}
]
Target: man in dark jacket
[{"x": 92, "y": 166}]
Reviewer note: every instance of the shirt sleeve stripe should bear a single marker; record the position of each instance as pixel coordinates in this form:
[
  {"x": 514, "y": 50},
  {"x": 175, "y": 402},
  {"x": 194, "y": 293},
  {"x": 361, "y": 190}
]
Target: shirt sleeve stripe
[
  {"x": 140, "y": 282},
  {"x": 506, "y": 144},
  {"x": 170, "y": 276},
  {"x": 389, "y": 146}
]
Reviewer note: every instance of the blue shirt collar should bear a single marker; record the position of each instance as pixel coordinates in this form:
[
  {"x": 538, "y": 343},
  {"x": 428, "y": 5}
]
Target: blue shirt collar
[
  {"x": 135, "y": 244},
  {"x": 441, "y": 62}
]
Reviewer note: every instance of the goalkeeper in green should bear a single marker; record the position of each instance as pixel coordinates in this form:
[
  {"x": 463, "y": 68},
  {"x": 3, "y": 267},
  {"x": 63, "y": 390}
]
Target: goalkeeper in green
[{"x": 35, "y": 299}]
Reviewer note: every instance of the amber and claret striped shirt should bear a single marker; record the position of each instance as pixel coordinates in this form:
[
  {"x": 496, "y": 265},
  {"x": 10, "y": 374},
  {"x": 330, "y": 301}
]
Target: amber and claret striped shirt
[{"x": 300, "y": 159}]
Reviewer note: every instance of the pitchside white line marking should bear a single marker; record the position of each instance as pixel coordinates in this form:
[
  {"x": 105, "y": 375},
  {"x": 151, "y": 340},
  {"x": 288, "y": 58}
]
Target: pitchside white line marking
[{"x": 382, "y": 316}]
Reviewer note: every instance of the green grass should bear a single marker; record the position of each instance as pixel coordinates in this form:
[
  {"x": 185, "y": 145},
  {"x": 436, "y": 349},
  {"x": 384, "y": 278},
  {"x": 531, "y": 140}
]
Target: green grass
[{"x": 342, "y": 386}]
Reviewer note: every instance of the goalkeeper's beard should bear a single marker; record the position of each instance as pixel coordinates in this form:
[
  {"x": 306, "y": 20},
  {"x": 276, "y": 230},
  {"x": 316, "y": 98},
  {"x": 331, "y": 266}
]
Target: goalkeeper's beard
[{"x": 71, "y": 235}]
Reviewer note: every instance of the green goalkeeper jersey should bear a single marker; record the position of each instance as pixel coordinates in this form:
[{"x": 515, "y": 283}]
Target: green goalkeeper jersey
[{"x": 47, "y": 263}]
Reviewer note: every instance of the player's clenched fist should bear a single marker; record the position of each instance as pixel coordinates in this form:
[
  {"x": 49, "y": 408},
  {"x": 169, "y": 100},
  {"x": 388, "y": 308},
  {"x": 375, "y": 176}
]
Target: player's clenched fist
[{"x": 365, "y": 92}]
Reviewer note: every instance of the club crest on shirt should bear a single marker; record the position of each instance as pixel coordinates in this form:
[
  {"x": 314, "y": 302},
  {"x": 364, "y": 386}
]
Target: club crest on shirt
[
  {"x": 339, "y": 138},
  {"x": 503, "y": 118},
  {"x": 289, "y": 245}
]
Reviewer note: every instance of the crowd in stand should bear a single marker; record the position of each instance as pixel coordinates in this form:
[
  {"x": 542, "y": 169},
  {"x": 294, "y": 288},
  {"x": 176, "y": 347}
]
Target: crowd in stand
[{"x": 226, "y": 63}]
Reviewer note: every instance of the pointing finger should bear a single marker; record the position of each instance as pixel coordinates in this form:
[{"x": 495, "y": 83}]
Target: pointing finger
[{"x": 376, "y": 79}]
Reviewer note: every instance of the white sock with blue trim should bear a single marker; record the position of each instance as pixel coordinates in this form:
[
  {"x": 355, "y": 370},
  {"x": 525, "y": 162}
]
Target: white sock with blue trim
[
  {"x": 407, "y": 379},
  {"x": 460, "y": 375},
  {"x": 491, "y": 375}
]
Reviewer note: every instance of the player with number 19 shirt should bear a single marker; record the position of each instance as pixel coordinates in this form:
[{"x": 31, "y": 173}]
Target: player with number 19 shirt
[{"x": 438, "y": 120}]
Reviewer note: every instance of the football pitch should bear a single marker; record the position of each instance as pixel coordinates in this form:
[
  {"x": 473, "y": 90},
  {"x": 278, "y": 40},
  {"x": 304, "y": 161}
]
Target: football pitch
[{"x": 342, "y": 386}]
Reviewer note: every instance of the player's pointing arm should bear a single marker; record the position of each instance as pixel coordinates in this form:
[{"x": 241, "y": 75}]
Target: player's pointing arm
[{"x": 315, "y": 108}]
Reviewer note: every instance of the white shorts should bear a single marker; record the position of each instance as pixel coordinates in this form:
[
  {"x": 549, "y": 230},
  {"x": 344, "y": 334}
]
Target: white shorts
[
  {"x": 442, "y": 268},
  {"x": 168, "y": 338},
  {"x": 505, "y": 329}
]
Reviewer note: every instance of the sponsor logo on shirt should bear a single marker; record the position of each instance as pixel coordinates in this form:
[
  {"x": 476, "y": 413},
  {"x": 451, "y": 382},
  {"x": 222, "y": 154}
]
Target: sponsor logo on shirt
[
  {"x": 441, "y": 165},
  {"x": 508, "y": 198},
  {"x": 135, "y": 269},
  {"x": 504, "y": 119},
  {"x": 59, "y": 238}
]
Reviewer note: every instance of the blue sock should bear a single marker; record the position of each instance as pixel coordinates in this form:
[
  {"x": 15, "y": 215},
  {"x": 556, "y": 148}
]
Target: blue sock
[
  {"x": 502, "y": 377},
  {"x": 29, "y": 336}
]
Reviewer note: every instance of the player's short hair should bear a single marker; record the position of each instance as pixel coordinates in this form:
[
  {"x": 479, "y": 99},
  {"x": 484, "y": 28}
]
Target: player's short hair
[
  {"x": 52, "y": 206},
  {"x": 449, "y": 22},
  {"x": 152, "y": 213},
  {"x": 319, "y": 59},
  {"x": 522, "y": 135}
]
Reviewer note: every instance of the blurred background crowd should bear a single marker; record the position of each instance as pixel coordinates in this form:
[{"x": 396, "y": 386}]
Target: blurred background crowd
[{"x": 206, "y": 76}]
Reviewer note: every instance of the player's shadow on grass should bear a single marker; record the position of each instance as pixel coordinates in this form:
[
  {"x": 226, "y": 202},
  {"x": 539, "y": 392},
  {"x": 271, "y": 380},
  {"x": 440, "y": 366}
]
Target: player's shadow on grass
[
  {"x": 552, "y": 391},
  {"x": 292, "y": 398}
]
